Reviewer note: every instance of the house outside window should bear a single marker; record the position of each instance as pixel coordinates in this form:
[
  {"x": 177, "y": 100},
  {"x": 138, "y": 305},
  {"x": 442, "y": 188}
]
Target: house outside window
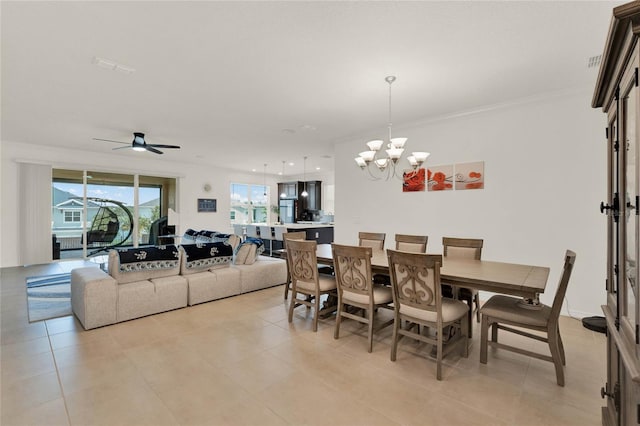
[{"x": 249, "y": 203}]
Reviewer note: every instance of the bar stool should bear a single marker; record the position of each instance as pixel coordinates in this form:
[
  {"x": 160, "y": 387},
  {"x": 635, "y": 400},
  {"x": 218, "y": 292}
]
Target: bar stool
[
  {"x": 251, "y": 231},
  {"x": 265, "y": 234}
]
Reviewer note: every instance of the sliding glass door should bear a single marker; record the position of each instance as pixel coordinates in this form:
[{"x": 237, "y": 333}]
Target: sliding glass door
[{"x": 94, "y": 211}]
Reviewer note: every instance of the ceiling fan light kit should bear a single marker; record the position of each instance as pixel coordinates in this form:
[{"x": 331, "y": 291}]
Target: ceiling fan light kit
[{"x": 139, "y": 144}]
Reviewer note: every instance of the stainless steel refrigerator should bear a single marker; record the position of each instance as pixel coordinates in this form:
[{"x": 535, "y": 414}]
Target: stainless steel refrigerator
[{"x": 287, "y": 211}]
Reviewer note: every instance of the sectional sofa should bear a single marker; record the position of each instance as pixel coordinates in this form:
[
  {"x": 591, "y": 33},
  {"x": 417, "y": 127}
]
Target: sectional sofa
[{"x": 146, "y": 281}]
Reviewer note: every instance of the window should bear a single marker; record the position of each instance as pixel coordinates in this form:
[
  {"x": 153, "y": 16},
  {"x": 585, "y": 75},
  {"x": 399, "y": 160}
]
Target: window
[
  {"x": 249, "y": 203},
  {"x": 109, "y": 196},
  {"x": 72, "y": 216}
]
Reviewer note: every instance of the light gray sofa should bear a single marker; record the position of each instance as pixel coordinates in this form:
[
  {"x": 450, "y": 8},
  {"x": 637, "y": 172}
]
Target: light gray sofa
[{"x": 137, "y": 289}]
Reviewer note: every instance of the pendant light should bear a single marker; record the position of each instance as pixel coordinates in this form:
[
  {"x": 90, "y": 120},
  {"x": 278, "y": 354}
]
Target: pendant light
[
  {"x": 283, "y": 194},
  {"x": 304, "y": 171},
  {"x": 264, "y": 182}
]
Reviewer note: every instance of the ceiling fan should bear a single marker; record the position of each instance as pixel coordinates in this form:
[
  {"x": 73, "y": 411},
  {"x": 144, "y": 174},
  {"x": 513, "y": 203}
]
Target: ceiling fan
[{"x": 139, "y": 144}]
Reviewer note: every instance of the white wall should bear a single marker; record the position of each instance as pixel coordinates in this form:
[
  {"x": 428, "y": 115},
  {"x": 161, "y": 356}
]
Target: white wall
[
  {"x": 190, "y": 187},
  {"x": 545, "y": 175}
]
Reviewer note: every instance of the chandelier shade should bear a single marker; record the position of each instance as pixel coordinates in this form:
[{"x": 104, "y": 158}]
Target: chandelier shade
[{"x": 395, "y": 147}]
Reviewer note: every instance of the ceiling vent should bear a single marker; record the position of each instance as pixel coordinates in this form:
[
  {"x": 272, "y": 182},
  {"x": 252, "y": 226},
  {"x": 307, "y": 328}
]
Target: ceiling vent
[
  {"x": 594, "y": 61},
  {"x": 112, "y": 65}
]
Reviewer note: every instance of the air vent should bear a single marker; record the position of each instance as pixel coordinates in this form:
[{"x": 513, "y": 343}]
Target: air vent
[
  {"x": 594, "y": 61},
  {"x": 112, "y": 65}
]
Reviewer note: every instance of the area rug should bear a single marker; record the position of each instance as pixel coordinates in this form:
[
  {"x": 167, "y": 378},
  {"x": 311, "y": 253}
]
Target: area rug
[{"x": 49, "y": 296}]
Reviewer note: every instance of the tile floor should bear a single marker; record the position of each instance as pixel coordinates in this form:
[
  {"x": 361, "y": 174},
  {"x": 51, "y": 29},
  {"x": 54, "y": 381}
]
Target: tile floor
[{"x": 238, "y": 361}]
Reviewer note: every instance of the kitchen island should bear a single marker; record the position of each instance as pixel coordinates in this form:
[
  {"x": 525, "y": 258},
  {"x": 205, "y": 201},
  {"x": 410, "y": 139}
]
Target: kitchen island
[
  {"x": 317, "y": 231},
  {"x": 320, "y": 232}
]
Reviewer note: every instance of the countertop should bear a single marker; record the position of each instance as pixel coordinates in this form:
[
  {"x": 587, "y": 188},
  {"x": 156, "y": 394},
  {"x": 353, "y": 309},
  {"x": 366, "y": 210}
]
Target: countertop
[{"x": 304, "y": 225}]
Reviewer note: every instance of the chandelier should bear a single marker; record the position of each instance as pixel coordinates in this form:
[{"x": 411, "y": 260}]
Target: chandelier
[{"x": 385, "y": 167}]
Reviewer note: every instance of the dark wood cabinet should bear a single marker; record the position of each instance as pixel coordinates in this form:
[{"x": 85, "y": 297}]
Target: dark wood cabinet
[
  {"x": 618, "y": 95},
  {"x": 294, "y": 190},
  {"x": 314, "y": 200}
]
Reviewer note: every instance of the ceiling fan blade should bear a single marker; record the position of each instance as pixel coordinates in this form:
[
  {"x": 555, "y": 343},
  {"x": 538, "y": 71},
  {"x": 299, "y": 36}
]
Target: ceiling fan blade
[
  {"x": 163, "y": 146},
  {"x": 108, "y": 140},
  {"x": 150, "y": 148},
  {"x": 122, "y": 147}
]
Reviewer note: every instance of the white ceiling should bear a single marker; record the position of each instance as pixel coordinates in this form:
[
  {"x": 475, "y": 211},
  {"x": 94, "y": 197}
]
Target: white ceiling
[{"x": 241, "y": 84}]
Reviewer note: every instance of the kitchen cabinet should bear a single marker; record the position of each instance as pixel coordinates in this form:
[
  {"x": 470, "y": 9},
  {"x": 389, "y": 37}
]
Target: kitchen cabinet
[
  {"x": 314, "y": 200},
  {"x": 293, "y": 191}
]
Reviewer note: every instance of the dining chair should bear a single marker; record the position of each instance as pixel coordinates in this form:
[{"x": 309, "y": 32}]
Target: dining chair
[
  {"x": 265, "y": 234},
  {"x": 499, "y": 310},
  {"x": 374, "y": 240},
  {"x": 464, "y": 248},
  {"x": 285, "y": 237},
  {"x": 306, "y": 280},
  {"x": 356, "y": 289},
  {"x": 418, "y": 301},
  {"x": 411, "y": 243}
]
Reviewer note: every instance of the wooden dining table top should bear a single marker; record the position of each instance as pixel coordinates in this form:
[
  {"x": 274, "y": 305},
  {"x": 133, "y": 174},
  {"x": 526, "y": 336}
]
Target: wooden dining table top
[{"x": 499, "y": 277}]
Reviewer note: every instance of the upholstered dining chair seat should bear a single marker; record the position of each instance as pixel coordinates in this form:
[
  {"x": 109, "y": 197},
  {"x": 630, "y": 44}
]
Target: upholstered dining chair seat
[
  {"x": 505, "y": 313},
  {"x": 509, "y": 309},
  {"x": 451, "y": 311},
  {"x": 381, "y": 294},
  {"x": 325, "y": 283}
]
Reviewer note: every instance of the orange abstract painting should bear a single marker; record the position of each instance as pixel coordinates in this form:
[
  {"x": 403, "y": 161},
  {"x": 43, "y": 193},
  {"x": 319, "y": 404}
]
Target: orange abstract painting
[
  {"x": 413, "y": 180},
  {"x": 470, "y": 175},
  {"x": 440, "y": 178}
]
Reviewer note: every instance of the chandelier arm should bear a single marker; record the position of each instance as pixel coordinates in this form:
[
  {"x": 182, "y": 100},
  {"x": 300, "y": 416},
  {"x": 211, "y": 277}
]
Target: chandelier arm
[{"x": 371, "y": 175}]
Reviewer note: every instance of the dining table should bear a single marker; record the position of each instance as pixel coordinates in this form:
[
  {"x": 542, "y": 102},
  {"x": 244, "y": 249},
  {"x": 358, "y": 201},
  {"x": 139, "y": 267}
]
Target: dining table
[{"x": 526, "y": 281}]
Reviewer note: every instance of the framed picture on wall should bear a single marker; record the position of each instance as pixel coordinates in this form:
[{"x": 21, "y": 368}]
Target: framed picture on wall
[
  {"x": 470, "y": 175},
  {"x": 206, "y": 205},
  {"x": 440, "y": 178}
]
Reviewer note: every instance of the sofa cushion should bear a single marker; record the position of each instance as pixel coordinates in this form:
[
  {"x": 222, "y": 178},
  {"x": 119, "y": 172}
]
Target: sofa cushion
[
  {"x": 205, "y": 236},
  {"x": 143, "y": 263},
  {"x": 248, "y": 251},
  {"x": 146, "y": 297},
  {"x": 189, "y": 236},
  {"x": 212, "y": 285},
  {"x": 264, "y": 272},
  {"x": 204, "y": 256}
]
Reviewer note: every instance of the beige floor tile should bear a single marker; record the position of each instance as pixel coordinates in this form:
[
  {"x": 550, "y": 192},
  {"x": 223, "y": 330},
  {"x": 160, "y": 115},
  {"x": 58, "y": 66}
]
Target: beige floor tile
[
  {"x": 87, "y": 349},
  {"x": 68, "y": 339},
  {"x": 259, "y": 371},
  {"x": 25, "y": 348},
  {"x": 242, "y": 413},
  {"x": 102, "y": 370},
  {"x": 23, "y": 332},
  {"x": 533, "y": 410},
  {"x": 63, "y": 325},
  {"x": 445, "y": 410},
  {"x": 51, "y": 413},
  {"x": 138, "y": 332},
  {"x": 481, "y": 392},
  {"x": 20, "y": 368},
  {"x": 303, "y": 400},
  {"x": 126, "y": 402},
  {"x": 23, "y": 395},
  {"x": 164, "y": 364},
  {"x": 192, "y": 399}
]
